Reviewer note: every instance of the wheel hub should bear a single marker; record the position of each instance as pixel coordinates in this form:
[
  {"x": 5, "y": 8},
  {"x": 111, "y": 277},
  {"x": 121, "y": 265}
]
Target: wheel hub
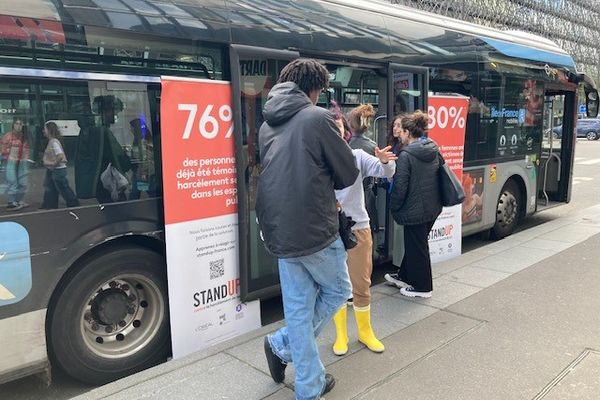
[{"x": 110, "y": 306}]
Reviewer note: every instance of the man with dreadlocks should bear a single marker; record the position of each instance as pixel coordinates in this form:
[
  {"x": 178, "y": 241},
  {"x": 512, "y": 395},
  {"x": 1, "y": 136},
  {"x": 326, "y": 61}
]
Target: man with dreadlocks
[{"x": 304, "y": 160}]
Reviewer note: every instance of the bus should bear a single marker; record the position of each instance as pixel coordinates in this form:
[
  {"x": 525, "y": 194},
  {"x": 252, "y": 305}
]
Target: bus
[{"x": 84, "y": 288}]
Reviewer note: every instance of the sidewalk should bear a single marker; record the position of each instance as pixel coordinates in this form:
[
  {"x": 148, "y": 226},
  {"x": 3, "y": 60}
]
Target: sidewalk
[{"x": 516, "y": 319}]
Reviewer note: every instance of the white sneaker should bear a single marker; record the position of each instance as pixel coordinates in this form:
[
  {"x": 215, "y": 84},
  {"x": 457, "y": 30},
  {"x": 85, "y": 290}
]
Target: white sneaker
[
  {"x": 22, "y": 204},
  {"x": 394, "y": 280},
  {"x": 411, "y": 292}
]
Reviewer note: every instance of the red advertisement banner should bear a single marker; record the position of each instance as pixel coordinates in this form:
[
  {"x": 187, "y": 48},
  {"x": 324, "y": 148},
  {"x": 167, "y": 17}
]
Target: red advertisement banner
[
  {"x": 447, "y": 122},
  {"x": 199, "y": 172}
]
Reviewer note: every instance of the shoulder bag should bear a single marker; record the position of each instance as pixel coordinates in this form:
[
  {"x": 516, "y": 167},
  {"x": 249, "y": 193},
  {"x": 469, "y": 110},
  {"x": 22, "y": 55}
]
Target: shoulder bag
[{"x": 451, "y": 190}]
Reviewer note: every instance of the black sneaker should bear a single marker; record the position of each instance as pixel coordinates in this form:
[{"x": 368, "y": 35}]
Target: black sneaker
[
  {"x": 411, "y": 292},
  {"x": 394, "y": 280},
  {"x": 329, "y": 383},
  {"x": 276, "y": 364}
]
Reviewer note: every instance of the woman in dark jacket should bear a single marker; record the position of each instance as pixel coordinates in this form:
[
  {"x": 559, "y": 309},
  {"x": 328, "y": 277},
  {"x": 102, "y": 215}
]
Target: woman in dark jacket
[{"x": 416, "y": 203}]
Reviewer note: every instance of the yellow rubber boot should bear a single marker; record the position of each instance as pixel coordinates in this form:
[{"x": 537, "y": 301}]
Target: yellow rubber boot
[
  {"x": 340, "y": 347},
  {"x": 365, "y": 331}
]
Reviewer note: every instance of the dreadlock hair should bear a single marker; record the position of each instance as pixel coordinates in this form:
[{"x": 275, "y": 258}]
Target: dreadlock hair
[
  {"x": 307, "y": 73},
  {"x": 360, "y": 118}
]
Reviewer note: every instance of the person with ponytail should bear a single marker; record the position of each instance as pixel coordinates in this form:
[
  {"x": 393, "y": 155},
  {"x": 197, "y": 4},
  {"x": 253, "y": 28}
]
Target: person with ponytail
[
  {"x": 360, "y": 257},
  {"x": 415, "y": 204},
  {"x": 359, "y": 120}
]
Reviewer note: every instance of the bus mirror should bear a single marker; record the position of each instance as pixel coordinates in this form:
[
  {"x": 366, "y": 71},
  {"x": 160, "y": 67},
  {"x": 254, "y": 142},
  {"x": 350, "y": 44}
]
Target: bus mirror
[{"x": 592, "y": 104}]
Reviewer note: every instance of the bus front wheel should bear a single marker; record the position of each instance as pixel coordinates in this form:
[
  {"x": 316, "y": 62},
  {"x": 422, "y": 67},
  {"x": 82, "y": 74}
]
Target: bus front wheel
[
  {"x": 111, "y": 318},
  {"x": 507, "y": 211}
]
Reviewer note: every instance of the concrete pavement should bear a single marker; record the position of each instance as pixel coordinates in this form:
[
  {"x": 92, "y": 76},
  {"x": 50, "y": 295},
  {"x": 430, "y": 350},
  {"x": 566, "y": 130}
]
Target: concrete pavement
[{"x": 516, "y": 319}]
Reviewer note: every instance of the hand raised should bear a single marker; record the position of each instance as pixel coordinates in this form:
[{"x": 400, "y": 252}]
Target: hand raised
[{"x": 385, "y": 155}]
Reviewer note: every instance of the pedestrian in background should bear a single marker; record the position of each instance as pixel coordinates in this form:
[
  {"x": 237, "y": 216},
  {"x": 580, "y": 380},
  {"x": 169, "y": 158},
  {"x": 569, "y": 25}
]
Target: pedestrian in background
[
  {"x": 14, "y": 148},
  {"x": 416, "y": 203},
  {"x": 55, "y": 161},
  {"x": 303, "y": 161},
  {"x": 360, "y": 257}
]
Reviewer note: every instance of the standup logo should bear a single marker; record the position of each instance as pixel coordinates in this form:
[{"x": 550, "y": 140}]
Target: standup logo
[
  {"x": 217, "y": 295},
  {"x": 441, "y": 232}
]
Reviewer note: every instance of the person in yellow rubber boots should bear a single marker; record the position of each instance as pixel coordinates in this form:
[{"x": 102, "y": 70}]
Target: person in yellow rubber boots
[{"x": 360, "y": 261}]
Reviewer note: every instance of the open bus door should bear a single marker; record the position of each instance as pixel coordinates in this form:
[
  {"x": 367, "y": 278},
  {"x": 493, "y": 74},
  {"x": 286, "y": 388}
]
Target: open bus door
[
  {"x": 408, "y": 88},
  {"x": 555, "y": 167},
  {"x": 254, "y": 71}
]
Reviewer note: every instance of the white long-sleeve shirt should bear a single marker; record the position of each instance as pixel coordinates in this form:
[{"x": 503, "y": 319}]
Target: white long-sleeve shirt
[{"x": 352, "y": 198}]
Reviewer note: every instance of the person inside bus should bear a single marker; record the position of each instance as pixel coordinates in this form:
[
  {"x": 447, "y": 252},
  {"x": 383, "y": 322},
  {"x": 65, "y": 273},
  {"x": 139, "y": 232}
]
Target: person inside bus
[
  {"x": 15, "y": 148},
  {"x": 303, "y": 160},
  {"x": 416, "y": 203},
  {"x": 360, "y": 257},
  {"x": 97, "y": 148},
  {"x": 359, "y": 119},
  {"x": 142, "y": 160},
  {"x": 394, "y": 140},
  {"x": 55, "y": 161}
]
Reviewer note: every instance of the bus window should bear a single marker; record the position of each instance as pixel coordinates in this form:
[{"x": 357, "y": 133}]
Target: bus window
[{"x": 100, "y": 124}]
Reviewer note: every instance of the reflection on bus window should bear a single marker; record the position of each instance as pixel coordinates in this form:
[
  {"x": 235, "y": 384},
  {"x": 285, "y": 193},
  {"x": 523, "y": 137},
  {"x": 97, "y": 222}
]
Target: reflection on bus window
[{"x": 106, "y": 130}]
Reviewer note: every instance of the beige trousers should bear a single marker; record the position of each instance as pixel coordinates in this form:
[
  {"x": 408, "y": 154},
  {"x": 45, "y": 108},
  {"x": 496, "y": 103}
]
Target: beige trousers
[{"x": 360, "y": 266}]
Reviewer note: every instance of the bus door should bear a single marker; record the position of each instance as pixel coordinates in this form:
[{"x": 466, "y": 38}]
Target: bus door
[
  {"x": 254, "y": 71},
  {"x": 556, "y": 154},
  {"x": 408, "y": 88}
]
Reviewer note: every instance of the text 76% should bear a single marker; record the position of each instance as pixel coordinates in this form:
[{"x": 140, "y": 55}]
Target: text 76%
[{"x": 208, "y": 125}]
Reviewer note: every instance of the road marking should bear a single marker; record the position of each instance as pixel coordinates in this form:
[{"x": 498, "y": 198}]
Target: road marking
[
  {"x": 590, "y": 162},
  {"x": 5, "y": 294},
  {"x": 578, "y": 159}
]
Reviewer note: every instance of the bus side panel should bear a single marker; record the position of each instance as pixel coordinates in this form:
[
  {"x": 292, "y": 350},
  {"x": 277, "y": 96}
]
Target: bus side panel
[
  {"x": 488, "y": 181},
  {"x": 23, "y": 350},
  {"x": 59, "y": 238}
]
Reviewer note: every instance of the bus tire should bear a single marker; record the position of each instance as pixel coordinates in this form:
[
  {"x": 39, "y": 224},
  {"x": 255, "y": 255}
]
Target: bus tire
[
  {"x": 508, "y": 211},
  {"x": 111, "y": 318}
]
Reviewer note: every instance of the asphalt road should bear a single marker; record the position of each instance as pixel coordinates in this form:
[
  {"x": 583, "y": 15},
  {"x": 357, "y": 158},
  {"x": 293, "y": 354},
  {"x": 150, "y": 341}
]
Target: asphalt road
[{"x": 586, "y": 193}]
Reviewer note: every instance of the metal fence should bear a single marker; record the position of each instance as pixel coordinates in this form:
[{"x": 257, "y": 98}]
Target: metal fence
[{"x": 573, "y": 24}]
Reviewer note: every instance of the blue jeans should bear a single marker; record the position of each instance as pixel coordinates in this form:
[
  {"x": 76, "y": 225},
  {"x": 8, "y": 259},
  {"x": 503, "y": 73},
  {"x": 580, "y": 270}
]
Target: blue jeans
[
  {"x": 17, "y": 173},
  {"x": 313, "y": 288}
]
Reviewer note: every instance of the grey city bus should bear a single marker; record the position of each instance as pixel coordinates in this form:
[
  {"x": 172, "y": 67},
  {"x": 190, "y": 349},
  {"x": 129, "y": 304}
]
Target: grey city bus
[{"x": 84, "y": 288}]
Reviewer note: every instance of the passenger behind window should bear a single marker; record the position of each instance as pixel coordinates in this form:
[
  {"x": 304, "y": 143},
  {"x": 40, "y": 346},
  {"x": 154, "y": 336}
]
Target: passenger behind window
[
  {"x": 98, "y": 149},
  {"x": 143, "y": 178},
  {"x": 14, "y": 150},
  {"x": 55, "y": 161}
]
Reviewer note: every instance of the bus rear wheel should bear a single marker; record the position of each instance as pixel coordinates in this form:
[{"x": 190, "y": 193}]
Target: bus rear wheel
[
  {"x": 111, "y": 318},
  {"x": 508, "y": 211}
]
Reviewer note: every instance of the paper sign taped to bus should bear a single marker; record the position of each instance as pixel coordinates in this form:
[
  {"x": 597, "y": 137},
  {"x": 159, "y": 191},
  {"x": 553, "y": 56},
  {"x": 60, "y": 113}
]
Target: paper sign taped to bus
[
  {"x": 447, "y": 125},
  {"x": 201, "y": 220}
]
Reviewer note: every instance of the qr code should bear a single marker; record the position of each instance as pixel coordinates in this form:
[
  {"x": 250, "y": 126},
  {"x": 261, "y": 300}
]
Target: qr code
[{"x": 217, "y": 269}]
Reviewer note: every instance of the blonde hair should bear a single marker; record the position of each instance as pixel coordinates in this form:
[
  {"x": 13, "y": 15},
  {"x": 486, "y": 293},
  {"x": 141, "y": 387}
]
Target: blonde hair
[{"x": 360, "y": 117}]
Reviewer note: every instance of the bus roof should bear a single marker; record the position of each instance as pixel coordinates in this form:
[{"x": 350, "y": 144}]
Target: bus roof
[{"x": 378, "y": 30}]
